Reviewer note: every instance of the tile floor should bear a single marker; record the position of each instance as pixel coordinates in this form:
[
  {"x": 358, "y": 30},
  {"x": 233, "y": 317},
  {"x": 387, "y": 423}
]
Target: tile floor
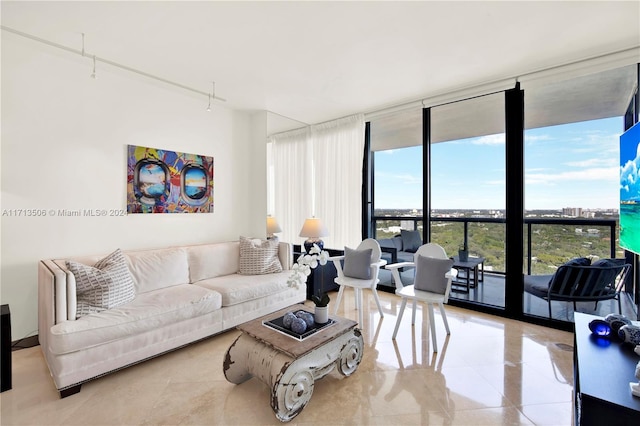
[{"x": 489, "y": 371}]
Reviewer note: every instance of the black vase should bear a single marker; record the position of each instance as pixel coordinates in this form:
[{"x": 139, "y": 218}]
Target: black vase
[{"x": 463, "y": 255}]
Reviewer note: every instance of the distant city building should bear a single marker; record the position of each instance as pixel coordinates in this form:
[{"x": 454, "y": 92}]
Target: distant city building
[{"x": 572, "y": 211}]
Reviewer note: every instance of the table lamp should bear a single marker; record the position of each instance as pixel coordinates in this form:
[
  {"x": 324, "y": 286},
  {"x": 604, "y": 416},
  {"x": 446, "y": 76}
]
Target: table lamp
[
  {"x": 272, "y": 227},
  {"x": 313, "y": 229}
]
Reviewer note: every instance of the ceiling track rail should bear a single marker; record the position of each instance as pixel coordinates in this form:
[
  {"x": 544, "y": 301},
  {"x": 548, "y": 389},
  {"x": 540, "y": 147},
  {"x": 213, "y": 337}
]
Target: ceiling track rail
[{"x": 96, "y": 58}]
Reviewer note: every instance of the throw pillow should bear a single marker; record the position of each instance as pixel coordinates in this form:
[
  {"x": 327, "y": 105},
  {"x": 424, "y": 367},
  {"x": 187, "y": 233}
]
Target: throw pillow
[
  {"x": 259, "y": 257},
  {"x": 561, "y": 274},
  {"x": 357, "y": 263},
  {"x": 607, "y": 277},
  {"x": 105, "y": 285},
  {"x": 411, "y": 240},
  {"x": 430, "y": 274}
]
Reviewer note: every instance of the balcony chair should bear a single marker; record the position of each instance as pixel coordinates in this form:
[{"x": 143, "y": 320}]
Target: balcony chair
[
  {"x": 359, "y": 271},
  {"x": 432, "y": 285},
  {"x": 580, "y": 281}
]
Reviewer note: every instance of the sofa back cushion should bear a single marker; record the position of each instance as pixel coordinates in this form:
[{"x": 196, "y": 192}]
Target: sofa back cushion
[
  {"x": 213, "y": 260},
  {"x": 155, "y": 269}
]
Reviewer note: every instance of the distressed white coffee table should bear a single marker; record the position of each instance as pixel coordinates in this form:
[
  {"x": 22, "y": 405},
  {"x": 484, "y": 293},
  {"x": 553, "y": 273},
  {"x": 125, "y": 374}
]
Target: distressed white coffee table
[{"x": 290, "y": 367}]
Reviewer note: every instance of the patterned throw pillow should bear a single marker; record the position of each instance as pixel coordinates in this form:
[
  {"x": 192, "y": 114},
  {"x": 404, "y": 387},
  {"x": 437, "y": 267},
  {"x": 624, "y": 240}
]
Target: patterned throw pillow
[
  {"x": 105, "y": 285},
  {"x": 259, "y": 257}
]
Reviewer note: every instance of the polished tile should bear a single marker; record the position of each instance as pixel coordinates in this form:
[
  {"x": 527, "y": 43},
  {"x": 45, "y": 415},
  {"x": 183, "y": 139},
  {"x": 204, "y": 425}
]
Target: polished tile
[{"x": 489, "y": 371}]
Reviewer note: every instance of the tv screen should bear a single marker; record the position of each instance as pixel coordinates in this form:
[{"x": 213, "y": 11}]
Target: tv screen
[{"x": 630, "y": 189}]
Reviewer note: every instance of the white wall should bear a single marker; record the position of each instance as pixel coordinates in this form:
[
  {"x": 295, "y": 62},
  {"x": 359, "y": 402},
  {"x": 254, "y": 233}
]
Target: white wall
[{"x": 64, "y": 138}]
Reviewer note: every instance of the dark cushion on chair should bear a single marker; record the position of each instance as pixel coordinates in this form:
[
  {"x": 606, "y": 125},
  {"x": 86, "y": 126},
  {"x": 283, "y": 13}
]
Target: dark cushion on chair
[
  {"x": 430, "y": 274},
  {"x": 560, "y": 275},
  {"x": 357, "y": 263},
  {"x": 538, "y": 285},
  {"x": 411, "y": 240},
  {"x": 606, "y": 277}
]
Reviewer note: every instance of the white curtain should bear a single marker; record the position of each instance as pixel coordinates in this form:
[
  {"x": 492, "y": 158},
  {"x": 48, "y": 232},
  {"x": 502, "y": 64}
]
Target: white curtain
[
  {"x": 317, "y": 171},
  {"x": 291, "y": 162}
]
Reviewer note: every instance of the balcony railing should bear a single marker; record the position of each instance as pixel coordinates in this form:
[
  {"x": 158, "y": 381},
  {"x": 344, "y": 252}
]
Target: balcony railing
[{"x": 549, "y": 242}]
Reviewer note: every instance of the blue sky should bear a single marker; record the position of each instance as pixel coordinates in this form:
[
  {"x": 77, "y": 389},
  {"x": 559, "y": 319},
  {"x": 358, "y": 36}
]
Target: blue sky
[
  {"x": 629, "y": 164},
  {"x": 572, "y": 165}
]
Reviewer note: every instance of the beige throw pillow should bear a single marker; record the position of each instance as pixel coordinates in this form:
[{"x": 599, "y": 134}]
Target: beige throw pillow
[
  {"x": 259, "y": 257},
  {"x": 105, "y": 285}
]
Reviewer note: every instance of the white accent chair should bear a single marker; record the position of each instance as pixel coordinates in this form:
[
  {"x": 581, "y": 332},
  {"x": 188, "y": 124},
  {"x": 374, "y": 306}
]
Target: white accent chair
[
  {"x": 409, "y": 292},
  {"x": 359, "y": 284}
]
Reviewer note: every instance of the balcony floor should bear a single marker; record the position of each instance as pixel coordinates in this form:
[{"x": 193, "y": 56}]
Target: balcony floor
[{"x": 491, "y": 292}]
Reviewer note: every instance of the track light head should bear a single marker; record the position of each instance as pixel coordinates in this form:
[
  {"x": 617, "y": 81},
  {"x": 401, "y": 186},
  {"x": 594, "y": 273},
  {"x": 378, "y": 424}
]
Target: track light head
[{"x": 93, "y": 74}]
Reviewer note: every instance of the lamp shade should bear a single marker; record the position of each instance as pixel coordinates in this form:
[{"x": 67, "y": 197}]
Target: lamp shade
[
  {"x": 272, "y": 225},
  {"x": 313, "y": 228}
]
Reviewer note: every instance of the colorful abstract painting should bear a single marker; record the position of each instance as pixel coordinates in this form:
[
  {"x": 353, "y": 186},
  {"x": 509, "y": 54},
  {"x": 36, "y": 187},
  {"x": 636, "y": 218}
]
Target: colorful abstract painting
[{"x": 161, "y": 181}]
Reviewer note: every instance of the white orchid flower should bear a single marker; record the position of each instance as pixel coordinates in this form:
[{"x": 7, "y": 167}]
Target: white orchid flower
[{"x": 314, "y": 249}]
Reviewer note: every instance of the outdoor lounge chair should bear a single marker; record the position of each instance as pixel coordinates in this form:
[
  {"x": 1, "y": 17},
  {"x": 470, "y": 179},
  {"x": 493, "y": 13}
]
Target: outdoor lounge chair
[{"x": 601, "y": 280}]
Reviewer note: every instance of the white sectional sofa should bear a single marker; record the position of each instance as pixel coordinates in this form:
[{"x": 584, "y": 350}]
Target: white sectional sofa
[{"x": 182, "y": 294}]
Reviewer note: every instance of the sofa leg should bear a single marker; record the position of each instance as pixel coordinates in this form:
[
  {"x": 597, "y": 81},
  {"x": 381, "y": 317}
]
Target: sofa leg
[{"x": 70, "y": 391}]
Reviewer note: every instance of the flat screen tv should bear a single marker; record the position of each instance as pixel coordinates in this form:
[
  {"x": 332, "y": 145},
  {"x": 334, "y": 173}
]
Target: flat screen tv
[{"x": 630, "y": 189}]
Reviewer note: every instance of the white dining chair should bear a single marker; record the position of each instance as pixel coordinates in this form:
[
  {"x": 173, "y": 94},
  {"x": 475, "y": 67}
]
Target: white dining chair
[
  {"x": 348, "y": 277},
  {"x": 431, "y": 286}
]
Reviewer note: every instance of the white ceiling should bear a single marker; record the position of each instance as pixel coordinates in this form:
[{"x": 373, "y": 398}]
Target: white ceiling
[{"x": 316, "y": 61}]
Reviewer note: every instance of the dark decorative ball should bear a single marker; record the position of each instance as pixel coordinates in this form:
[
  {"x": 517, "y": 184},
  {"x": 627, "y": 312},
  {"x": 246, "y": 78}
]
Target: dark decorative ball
[
  {"x": 307, "y": 317},
  {"x": 298, "y": 325},
  {"x": 288, "y": 319}
]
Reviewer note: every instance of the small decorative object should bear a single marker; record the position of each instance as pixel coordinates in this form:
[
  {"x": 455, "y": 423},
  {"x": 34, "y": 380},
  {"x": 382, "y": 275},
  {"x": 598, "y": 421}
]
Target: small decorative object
[
  {"x": 635, "y": 387},
  {"x": 463, "y": 253},
  {"x": 630, "y": 334},
  {"x": 600, "y": 328},
  {"x": 616, "y": 321},
  {"x": 307, "y": 317},
  {"x": 287, "y": 319},
  {"x": 322, "y": 308},
  {"x": 321, "y": 314},
  {"x": 298, "y": 325}
]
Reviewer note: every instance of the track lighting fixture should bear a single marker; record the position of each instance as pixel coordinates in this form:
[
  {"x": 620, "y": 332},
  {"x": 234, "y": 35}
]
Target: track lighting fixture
[
  {"x": 211, "y": 95},
  {"x": 82, "y": 52},
  {"x": 93, "y": 74}
]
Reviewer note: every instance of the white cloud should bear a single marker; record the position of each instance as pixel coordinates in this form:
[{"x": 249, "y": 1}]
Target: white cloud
[
  {"x": 490, "y": 140},
  {"x": 403, "y": 178},
  {"x": 592, "y": 162},
  {"x": 629, "y": 178},
  {"x": 593, "y": 174}
]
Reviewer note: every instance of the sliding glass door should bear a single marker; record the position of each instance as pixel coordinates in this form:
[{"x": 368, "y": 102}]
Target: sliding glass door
[{"x": 467, "y": 190}]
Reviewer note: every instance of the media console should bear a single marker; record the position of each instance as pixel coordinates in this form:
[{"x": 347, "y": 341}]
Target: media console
[{"x": 603, "y": 369}]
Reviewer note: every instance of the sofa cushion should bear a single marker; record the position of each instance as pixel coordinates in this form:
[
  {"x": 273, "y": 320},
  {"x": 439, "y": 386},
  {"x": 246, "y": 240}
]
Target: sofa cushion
[
  {"x": 357, "y": 263},
  {"x": 107, "y": 284},
  {"x": 259, "y": 257},
  {"x": 148, "y": 311},
  {"x": 238, "y": 288},
  {"x": 155, "y": 269},
  {"x": 213, "y": 260},
  {"x": 411, "y": 240}
]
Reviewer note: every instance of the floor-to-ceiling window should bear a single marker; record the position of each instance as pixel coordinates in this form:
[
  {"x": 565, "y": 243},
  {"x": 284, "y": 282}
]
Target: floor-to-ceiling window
[
  {"x": 396, "y": 145},
  {"x": 567, "y": 198},
  {"x": 467, "y": 189},
  {"x": 572, "y": 175}
]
